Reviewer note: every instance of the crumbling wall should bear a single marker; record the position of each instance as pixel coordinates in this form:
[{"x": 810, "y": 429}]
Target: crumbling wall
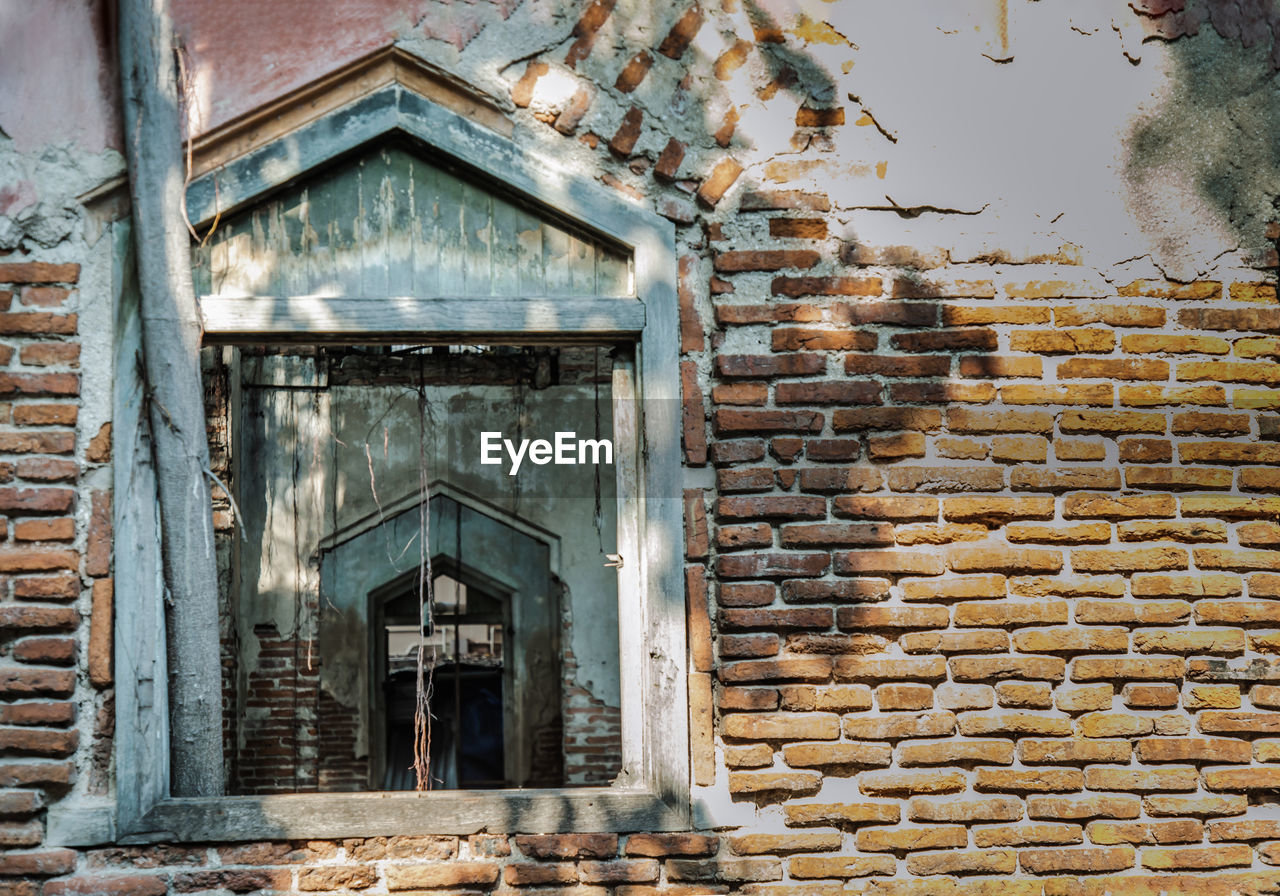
[{"x": 979, "y": 325}]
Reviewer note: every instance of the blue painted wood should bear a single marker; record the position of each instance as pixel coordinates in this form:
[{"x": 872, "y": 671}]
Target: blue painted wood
[{"x": 390, "y": 223}]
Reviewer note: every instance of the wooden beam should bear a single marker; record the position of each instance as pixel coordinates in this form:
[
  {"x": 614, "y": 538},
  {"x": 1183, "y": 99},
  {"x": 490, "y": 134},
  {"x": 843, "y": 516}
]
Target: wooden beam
[
  {"x": 339, "y": 815},
  {"x": 439, "y": 320}
]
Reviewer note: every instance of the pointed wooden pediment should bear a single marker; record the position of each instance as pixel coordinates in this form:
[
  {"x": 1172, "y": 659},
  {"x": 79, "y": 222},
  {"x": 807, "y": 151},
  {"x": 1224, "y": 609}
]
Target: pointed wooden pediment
[{"x": 392, "y": 222}]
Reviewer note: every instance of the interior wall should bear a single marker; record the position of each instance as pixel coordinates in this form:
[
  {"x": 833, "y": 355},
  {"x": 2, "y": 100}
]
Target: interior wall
[{"x": 323, "y": 467}]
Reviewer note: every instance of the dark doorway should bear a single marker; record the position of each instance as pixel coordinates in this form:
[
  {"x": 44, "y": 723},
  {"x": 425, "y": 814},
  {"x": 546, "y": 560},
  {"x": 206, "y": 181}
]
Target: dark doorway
[{"x": 462, "y": 639}]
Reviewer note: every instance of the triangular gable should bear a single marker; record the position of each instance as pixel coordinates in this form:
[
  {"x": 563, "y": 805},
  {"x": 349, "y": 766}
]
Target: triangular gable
[{"x": 391, "y": 222}]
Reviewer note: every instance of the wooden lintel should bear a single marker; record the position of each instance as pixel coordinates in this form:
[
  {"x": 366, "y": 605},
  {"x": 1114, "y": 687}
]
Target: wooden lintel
[{"x": 390, "y": 65}]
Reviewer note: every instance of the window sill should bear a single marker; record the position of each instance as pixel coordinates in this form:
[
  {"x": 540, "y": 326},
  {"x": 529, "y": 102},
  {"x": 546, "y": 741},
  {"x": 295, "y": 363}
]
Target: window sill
[{"x": 340, "y": 815}]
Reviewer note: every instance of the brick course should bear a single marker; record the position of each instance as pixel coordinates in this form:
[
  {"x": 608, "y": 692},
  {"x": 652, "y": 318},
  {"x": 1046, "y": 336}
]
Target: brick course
[{"x": 981, "y": 579}]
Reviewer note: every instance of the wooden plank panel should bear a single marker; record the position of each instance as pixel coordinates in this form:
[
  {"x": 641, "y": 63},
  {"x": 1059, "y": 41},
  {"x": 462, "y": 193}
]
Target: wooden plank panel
[
  {"x": 201, "y": 269},
  {"x": 290, "y": 245},
  {"x": 260, "y": 268},
  {"x": 613, "y": 274},
  {"x": 397, "y": 194},
  {"x": 239, "y": 255},
  {"x": 321, "y": 265},
  {"x": 582, "y": 267},
  {"x": 555, "y": 259},
  {"x": 505, "y": 251},
  {"x": 217, "y": 265},
  {"x": 477, "y": 236},
  {"x": 632, "y": 617},
  {"x": 532, "y": 277},
  {"x": 426, "y": 223},
  {"x": 449, "y": 234},
  {"x": 342, "y": 226},
  {"x": 394, "y": 224},
  {"x": 371, "y": 225}
]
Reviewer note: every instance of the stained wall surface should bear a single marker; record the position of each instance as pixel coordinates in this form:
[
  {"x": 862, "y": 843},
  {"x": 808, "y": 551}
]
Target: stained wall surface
[{"x": 978, "y": 337}]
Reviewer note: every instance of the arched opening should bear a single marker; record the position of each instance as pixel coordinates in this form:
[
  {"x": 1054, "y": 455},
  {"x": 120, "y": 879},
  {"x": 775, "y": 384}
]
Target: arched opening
[
  {"x": 489, "y": 633},
  {"x": 461, "y": 637}
]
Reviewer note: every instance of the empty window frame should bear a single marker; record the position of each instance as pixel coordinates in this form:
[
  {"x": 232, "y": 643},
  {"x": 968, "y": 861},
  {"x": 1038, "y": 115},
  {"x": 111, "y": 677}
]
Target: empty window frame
[
  {"x": 361, "y": 476},
  {"x": 651, "y": 790}
]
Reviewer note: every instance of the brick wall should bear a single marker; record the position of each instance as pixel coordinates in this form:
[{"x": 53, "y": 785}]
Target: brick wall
[
  {"x": 980, "y": 546},
  {"x": 55, "y": 552}
]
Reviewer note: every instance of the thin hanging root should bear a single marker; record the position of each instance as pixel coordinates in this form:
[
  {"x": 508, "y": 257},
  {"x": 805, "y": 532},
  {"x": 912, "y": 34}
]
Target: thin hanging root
[{"x": 426, "y": 605}]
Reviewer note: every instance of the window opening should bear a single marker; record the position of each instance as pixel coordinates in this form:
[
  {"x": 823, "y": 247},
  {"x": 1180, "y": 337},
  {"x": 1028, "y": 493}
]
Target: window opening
[
  {"x": 326, "y": 450},
  {"x": 421, "y": 227}
]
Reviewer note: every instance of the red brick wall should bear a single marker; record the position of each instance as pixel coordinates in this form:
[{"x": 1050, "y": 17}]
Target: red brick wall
[
  {"x": 984, "y": 586},
  {"x": 55, "y": 555}
]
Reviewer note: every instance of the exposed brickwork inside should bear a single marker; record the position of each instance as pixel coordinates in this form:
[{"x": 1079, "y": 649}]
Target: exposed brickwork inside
[
  {"x": 981, "y": 572},
  {"x": 592, "y": 736}
]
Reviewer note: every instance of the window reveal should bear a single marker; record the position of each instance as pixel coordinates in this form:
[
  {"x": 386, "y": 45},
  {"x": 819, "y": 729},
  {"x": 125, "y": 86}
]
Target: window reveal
[{"x": 329, "y": 450}]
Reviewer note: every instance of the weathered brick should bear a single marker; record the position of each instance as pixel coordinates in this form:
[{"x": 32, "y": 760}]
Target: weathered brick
[
  {"x": 1084, "y": 699},
  {"x": 771, "y": 507},
  {"x": 441, "y": 875},
  {"x": 1197, "y": 859},
  {"x": 886, "y": 562},
  {"x": 800, "y": 668},
  {"x": 965, "y": 811},
  {"x": 771, "y": 566},
  {"x": 1113, "y": 369},
  {"x": 568, "y": 846},
  {"x": 832, "y": 756},
  {"x": 1150, "y": 696},
  {"x": 824, "y": 591},
  {"x": 662, "y": 845},
  {"x": 1242, "y": 779},
  {"x": 1200, "y": 641},
  {"x": 816, "y": 867},
  {"x": 1103, "y": 668},
  {"x": 1058, "y": 861},
  {"x": 880, "y": 668},
  {"x": 1132, "y": 559},
  {"x": 1118, "y": 724},
  {"x": 1174, "y": 344},
  {"x": 948, "y": 642},
  {"x": 841, "y": 814},
  {"x": 955, "y": 752},
  {"x": 993, "y": 558},
  {"x": 979, "y": 724},
  {"x": 908, "y": 839},
  {"x": 897, "y": 365},
  {"x": 895, "y": 726},
  {"x": 1135, "y": 613},
  {"x": 765, "y": 366},
  {"x": 1026, "y": 835},
  {"x": 1141, "y": 780},
  {"x": 764, "y": 260},
  {"x": 985, "y": 861},
  {"x": 863, "y": 617},
  {"x": 840, "y": 480},
  {"x": 1207, "y": 806},
  {"x": 1072, "y": 751},
  {"x": 770, "y": 782}
]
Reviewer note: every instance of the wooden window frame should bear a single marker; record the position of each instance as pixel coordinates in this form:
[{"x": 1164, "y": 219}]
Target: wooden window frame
[{"x": 653, "y": 792}]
